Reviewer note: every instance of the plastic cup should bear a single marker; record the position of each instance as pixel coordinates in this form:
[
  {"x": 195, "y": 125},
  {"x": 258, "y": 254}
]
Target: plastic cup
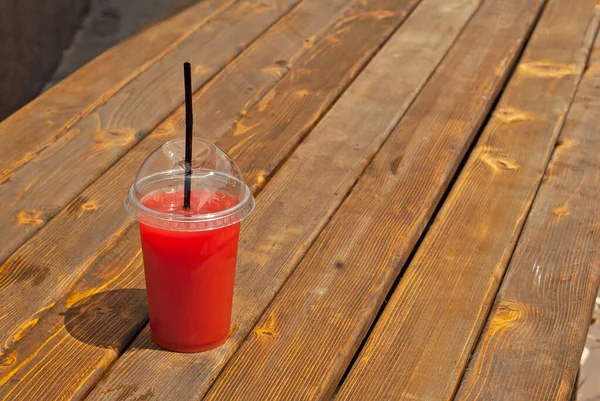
[{"x": 189, "y": 255}]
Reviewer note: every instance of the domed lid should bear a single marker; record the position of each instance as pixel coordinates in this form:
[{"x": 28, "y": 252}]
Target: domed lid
[{"x": 219, "y": 196}]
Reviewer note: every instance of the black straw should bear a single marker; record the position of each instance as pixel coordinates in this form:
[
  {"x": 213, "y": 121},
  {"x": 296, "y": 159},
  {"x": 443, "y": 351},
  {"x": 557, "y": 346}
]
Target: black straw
[{"x": 189, "y": 122}]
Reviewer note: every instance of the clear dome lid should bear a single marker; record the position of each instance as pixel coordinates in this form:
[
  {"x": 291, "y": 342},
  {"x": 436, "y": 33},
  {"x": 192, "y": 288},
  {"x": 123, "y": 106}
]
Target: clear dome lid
[{"x": 219, "y": 196}]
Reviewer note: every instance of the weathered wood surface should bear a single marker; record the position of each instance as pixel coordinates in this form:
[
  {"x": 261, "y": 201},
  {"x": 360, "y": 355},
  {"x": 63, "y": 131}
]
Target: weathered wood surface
[
  {"x": 47, "y": 183},
  {"x": 329, "y": 235},
  {"x": 305, "y": 340},
  {"x": 227, "y": 97},
  {"x": 46, "y": 119},
  {"x": 108, "y": 218},
  {"x": 432, "y": 321},
  {"x": 39, "y": 278},
  {"x": 535, "y": 334},
  {"x": 289, "y": 111},
  {"x": 323, "y": 169},
  {"x": 62, "y": 355}
]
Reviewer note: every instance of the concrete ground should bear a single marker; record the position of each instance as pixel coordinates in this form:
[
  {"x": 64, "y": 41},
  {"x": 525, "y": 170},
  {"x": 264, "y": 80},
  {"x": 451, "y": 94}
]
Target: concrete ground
[{"x": 33, "y": 34}]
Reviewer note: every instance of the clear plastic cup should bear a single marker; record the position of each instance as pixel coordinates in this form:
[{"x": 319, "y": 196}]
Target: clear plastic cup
[{"x": 189, "y": 255}]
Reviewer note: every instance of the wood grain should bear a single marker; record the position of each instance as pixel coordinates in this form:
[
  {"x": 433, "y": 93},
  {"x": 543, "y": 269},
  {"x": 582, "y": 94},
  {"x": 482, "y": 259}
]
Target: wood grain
[
  {"x": 290, "y": 110},
  {"x": 46, "y": 184},
  {"x": 542, "y": 313},
  {"x": 307, "y": 337},
  {"x": 39, "y": 124},
  {"x": 429, "y": 36},
  {"x": 226, "y": 98},
  {"x": 432, "y": 321},
  {"x": 322, "y": 169},
  {"x": 68, "y": 350}
]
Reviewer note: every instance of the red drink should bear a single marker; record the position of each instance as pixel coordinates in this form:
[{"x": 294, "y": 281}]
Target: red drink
[
  {"x": 189, "y": 253},
  {"x": 189, "y": 274}
]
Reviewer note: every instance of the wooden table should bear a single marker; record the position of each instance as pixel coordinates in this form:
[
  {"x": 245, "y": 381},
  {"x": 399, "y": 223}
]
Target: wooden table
[{"x": 427, "y": 175}]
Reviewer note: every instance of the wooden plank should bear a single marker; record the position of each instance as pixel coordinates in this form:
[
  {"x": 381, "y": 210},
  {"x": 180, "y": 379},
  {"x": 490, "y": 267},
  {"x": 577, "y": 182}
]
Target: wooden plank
[
  {"x": 46, "y": 119},
  {"x": 109, "y": 217},
  {"x": 228, "y": 96},
  {"x": 291, "y": 109},
  {"x": 430, "y": 325},
  {"x": 46, "y": 184},
  {"x": 307, "y": 337},
  {"x": 542, "y": 313},
  {"x": 67, "y": 351}
]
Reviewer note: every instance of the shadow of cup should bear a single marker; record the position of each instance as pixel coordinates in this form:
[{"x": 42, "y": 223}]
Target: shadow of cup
[{"x": 108, "y": 319}]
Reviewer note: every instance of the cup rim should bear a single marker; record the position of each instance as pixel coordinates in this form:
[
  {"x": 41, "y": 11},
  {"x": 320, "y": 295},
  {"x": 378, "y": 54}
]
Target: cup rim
[{"x": 208, "y": 221}]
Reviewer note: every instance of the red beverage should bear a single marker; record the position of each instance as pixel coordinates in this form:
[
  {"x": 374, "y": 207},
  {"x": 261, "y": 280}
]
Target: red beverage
[
  {"x": 189, "y": 253},
  {"x": 189, "y": 274}
]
